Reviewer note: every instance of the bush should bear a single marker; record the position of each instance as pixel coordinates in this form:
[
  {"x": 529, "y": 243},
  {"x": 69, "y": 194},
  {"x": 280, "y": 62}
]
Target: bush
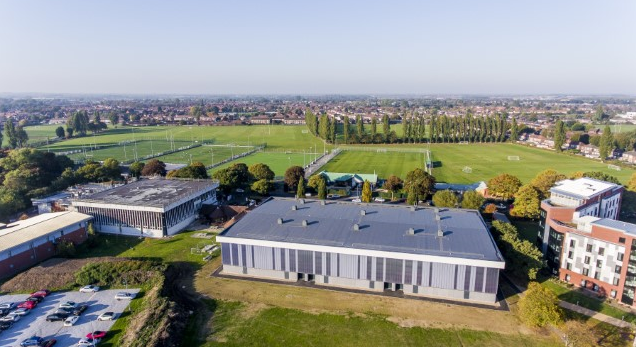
[
  {"x": 65, "y": 249},
  {"x": 134, "y": 272}
]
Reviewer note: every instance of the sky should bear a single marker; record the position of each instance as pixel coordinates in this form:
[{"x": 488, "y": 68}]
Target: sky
[{"x": 318, "y": 47}]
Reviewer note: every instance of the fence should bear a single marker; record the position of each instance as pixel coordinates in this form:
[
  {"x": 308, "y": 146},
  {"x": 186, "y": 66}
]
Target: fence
[
  {"x": 244, "y": 154},
  {"x": 314, "y": 166}
]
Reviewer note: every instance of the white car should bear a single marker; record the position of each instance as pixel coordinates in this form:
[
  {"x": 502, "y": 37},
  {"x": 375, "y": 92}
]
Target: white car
[
  {"x": 68, "y": 304},
  {"x": 22, "y": 311},
  {"x": 88, "y": 342},
  {"x": 11, "y": 317},
  {"x": 356, "y": 200},
  {"x": 106, "y": 316},
  {"x": 379, "y": 199},
  {"x": 71, "y": 321},
  {"x": 89, "y": 289},
  {"x": 124, "y": 296}
]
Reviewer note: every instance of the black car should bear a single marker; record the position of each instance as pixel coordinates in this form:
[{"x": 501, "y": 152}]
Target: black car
[
  {"x": 56, "y": 317},
  {"x": 5, "y": 325},
  {"x": 4, "y": 311},
  {"x": 78, "y": 310},
  {"x": 37, "y": 299}
]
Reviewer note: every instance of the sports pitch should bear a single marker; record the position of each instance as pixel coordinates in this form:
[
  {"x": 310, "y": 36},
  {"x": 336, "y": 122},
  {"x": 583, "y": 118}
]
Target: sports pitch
[{"x": 277, "y": 161}]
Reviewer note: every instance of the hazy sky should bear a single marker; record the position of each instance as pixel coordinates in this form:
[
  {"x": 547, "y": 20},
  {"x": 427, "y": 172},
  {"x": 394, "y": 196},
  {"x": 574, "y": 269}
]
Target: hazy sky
[{"x": 317, "y": 47}]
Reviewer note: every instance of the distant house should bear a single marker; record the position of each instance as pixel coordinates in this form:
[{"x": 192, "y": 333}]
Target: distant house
[
  {"x": 589, "y": 151},
  {"x": 628, "y": 157},
  {"x": 57, "y": 121},
  {"x": 260, "y": 120},
  {"x": 294, "y": 120}
]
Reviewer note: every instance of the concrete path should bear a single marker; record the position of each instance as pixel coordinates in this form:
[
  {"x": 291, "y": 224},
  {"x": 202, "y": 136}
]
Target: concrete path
[{"x": 594, "y": 314}]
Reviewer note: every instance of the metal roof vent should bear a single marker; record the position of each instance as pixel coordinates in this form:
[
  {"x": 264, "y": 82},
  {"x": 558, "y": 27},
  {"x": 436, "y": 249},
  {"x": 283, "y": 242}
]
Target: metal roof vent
[
  {"x": 440, "y": 233},
  {"x": 302, "y": 201},
  {"x": 362, "y": 212},
  {"x": 412, "y": 208},
  {"x": 437, "y": 217},
  {"x": 279, "y": 221},
  {"x": 356, "y": 227},
  {"x": 322, "y": 202},
  {"x": 294, "y": 208},
  {"x": 304, "y": 222},
  {"x": 410, "y": 231}
]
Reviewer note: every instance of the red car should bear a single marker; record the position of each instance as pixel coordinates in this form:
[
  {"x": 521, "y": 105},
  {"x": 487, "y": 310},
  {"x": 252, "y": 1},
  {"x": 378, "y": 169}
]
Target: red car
[
  {"x": 98, "y": 334},
  {"x": 48, "y": 343},
  {"x": 28, "y": 304},
  {"x": 41, "y": 292}
]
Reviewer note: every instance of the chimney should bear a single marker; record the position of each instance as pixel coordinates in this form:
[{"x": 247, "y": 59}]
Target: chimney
[
  {"x": 279, "y": 221},
  {"x": 362, "y": 212},
  {"x": 302, "y": 201},
  {"x": 356, "y": 227},
  {"x": 410, "y": 231},
  {"x": 440, "y": 233},
  {"x": 294, "y": 208},
  {"x": 304, "y": 223}
]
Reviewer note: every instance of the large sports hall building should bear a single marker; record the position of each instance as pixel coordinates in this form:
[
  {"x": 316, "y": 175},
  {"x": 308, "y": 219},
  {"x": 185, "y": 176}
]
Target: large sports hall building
[{"x": 447, "y": 253}]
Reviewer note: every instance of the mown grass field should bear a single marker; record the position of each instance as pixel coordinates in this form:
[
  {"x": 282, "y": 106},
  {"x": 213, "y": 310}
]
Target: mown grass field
[
  {"x": 277, "y": 161},
  {"x": 485, "y": 160}
]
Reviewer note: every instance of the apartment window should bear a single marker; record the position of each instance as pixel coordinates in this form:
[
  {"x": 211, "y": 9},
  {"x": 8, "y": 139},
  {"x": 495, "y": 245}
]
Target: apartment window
[
  {"x": 589, "y": 248},
  {"x": 599, "y": 264},
  {"x": 570, "y": 254},
  {"x": 615, "y": 281},
  {"x": 572, "y": 243},
  {"x": 585, "y": 271},
  {"x": 618, "y": 269},
  {"x": 622, "y": 240},
  {"x": 600, "y": 251},
  {"x": 587, "y": 260},
  {"x": 620, "y": 256},
  {"x": 568, "y": 266}
]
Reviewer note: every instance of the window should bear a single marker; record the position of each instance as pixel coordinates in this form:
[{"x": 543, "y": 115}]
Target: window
[
  {"x": 615, "y": 281},
  {"x": 587, "y": 260},
  {"x": 572, "y": 243},
  {"x": 568, "y": 266},
  {"x": 597, "y": 275},
  {"x": 620, "y": 256},
  {"x": 585, "y": 271},
  {"x": 613, "y": 293},
  {"x": 600, "y": 251},
  {"x": 599, "y": 264},
  {"x": 567, "y": 278},
  {"x": 618, "y": 269},
  {"x": 589, "y": 248},
  {"x": 622, "y": 240},
  {"x": 570, "y": 254}
]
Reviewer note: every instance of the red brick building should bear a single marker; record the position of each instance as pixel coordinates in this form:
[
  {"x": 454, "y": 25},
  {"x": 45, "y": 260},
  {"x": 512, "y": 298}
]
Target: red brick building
[{"x": 28, "y": 242}]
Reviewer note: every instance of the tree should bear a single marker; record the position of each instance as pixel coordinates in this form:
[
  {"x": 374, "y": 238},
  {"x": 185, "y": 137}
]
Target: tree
[
  {"x": 412, "y": 194},
  {"x": 545, "y": 180},
  {"x": 300, "y": 188},
  {"x": 560, "y": 135},
  {"x": 114, "y": 118},
  {"x": 314, "y": 181},
  {"x": 366, "y": 194},
  {"x": 504, "y": 186},
  {"x": 136, "y": 169},
  {"x": 10, "y": 133},
  {"x": 515, "y": 131},
  {"x": 110, "y": 170},
  {"x": 69, "y": 133},
  {"x": 293, "y": 175},
  {"x": 261, "y": 171},
  {"x": 538, "y": 306},
  {"x": 472, "y": 200},
  {"x": 445, "y": 198},
  {"x": 346, "y": 130},
  {"x": 598, "y": 175},
  {"x": 359, "y": 126},
  {"x": 578, "y": 334},
  {"x": 522, "y": 257},
  {"x": 386, "y": 126},
  {"x": 605, "y": 143},
  {"x": 196, "y": 170},
  {"x": 154, "y": 167},
  {"x": 21, "y": 137},
  {"x": 59, "y": 132},
  {"x": 262, "y": 186},
  {"x": 631, "y": 183},
  {"x": 322, "y": 189},
  {"x": 419, "y": 182},
  {"x": 393, "y": 184},
  {"x": 373, "y": 128},
  {"x": 599, "y": 115},
  {"x": 490, "y": 208},
  {"x": 527, "y": 202}
]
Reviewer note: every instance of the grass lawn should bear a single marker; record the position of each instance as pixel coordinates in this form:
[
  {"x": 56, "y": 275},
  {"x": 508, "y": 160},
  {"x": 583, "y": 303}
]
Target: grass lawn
[
  {"x": 37, "y": 133},
  {"x": 238, "y": 324},
  {"x": 277, "y": 161},
  {"x": 573, "y": 296},
  {"x": 384, "y": 164}
]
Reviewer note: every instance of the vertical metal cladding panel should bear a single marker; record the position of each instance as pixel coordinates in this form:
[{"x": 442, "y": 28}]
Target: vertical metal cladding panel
[
  {"x": 263, "y": 258},
  {"x": 235, "y": 254},
  {"x": 467, "y": 278},
  {"x": 318, "y": 262},
  {"x": 225, "y": 254},
  {"x": 327, "y": 263},
  {"x": 443, "y": 275},
  {"x": 283, "y": 260},
  {"x": 368, "y": 268},
  {"x": 426, "y": 273},
  {"x": 249, "y": 256},
  {"x": 491, "y": 284},
  {"x": 277, "y": 258},
  {"x": 334, "y": 264},
  {"x": 413, "y": 268},
  {"x": 306, "y": 262},
  {"x": 286, "y": 257},
  {"x": 347, "y": 265},
  {"x": 393, "y": 270},
  {"x": 479, "y": 284},
  {"x": 459, "y": 283},
  {"x": 380, "y": 269},
  {"x": 243, "y": 258},
  {"x": 419, "y": 272},
  {"x": 293, "y": 260}
]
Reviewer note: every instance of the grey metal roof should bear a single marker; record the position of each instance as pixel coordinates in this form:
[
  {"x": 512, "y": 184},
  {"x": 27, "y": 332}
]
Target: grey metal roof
[
  {"x": 628, "y": 228},
  {"x": 383, "y": 228},
  {"x": 150, "y": 192}
]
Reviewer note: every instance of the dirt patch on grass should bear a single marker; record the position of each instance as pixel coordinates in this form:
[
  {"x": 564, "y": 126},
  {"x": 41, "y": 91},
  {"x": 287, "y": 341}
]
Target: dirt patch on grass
[
  {"x": 56, "y": 273},
  {"x": 404, "y": 312}
]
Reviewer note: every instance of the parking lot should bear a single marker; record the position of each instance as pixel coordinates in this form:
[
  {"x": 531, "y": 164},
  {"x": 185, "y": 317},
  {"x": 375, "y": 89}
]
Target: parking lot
[{"x": 35, "y": 322}]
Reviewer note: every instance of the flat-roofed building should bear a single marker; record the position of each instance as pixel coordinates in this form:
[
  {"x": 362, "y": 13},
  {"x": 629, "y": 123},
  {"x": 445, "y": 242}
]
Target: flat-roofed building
[
  {"x": 27, "y": 242},
  {"x": 447, "y": 253},
  {"x": 149, "y": 207}
]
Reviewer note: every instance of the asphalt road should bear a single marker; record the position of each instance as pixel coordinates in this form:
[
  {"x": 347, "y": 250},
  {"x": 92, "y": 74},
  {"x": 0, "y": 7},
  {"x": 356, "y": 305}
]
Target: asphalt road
[{"x": 35, "y": 322}]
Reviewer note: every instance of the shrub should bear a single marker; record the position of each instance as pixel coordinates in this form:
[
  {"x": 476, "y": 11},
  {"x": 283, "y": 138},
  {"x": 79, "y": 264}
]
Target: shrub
[{"x": 65, "y": 249}]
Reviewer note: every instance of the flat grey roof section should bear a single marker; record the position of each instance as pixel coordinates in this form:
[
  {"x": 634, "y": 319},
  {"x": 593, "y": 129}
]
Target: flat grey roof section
[
  {"x": 382, "y": 228},
  {"x": 628, "y": 228},
  {"x": 150, "y": 192}
]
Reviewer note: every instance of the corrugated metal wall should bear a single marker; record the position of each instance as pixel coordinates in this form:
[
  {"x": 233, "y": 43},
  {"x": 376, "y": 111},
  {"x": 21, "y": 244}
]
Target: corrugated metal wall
[{"x": 421, "y": 273}]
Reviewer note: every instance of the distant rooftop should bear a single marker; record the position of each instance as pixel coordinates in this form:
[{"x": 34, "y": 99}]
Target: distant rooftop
[
  {"x": 381, "y": 228},
  {"x": 149, "y": 192},
  {"x": 17, "y": 233},
  {"x": 627, "y": 228},
  {"x": 585, "y": 187},
  {"x": 344, "y": 176}
]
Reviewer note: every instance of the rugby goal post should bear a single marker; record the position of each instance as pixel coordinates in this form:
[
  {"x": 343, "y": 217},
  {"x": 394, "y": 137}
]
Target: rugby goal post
[
  {"x": 381, "y": 150},
  {"x": 513, "y": 157},
  {"x": 614, "y": 167},
  {"x": 305, "y": 131},
  {"x": 467, "y": 169},
  {"x": 463, "y": 142}
]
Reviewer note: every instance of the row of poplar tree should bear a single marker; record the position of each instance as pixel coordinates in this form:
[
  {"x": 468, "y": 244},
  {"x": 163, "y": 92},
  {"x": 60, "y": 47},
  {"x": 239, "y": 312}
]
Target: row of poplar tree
[{"x": 416, "y": 129}]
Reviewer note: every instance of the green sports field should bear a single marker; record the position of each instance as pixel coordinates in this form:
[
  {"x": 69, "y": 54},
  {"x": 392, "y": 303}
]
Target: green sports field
[
  {"x": 277, "y": 161},
  {"x": 485, "y": 161}
]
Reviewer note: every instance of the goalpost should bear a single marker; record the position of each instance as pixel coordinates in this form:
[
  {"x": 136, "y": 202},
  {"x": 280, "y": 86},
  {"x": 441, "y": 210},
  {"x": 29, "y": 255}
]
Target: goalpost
[
  {"x": 463, "y": 142},
  {"x": 614, "y": 167},
  {"x": 513, "y": 157},
  {"x": 305, "y": 131},
  {"x": 467, "y": 169},
  {"x": 381, "y": 150}
]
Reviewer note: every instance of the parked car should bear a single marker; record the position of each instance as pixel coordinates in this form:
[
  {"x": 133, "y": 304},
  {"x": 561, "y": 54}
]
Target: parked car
[
  {"x": 5, "y": 325},
  {"x": 106, "y": 316},
  {"x": 37, "y": 299},
  {"x": 22, "y": 311},
  {"x": 79, "y": 310},
  {"x": 11, "y": 317},
  {"x": 7, "y": 305},
  {"x": 57, "y": 317},
  {"x": 68, "y": 304},
  {"x": 32, "y": 341},
  {"x": 88, "y": 342},
  {"x": 67, "y": 311},
  {"x": 124, "y": 296},
  {"x": 98, "y": 334},
  {"x": 70, "y": 321},
  {"x": 4, "y": 311},
  {"x": 379, "y": 199},
  {"x": 48, "y": 343},
  {"x": 89, "y": 289},
  {"x": 41, "y": 292},
  {"x": 356, "y": 200},
  {"x": 28, "y": 304}
]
